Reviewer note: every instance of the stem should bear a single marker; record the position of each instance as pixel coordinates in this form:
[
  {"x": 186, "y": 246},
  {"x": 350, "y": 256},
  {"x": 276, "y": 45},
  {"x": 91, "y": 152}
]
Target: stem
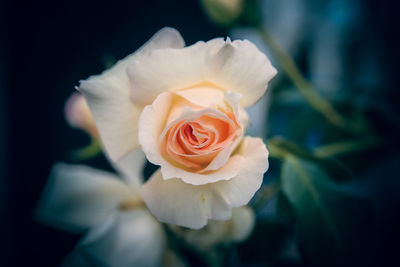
[
  {"x": 280, "y": 148},
  {"x": 89, "y": 151},
  {"x": 338, "y": 148},
  {"x": 304, "y": 87}
]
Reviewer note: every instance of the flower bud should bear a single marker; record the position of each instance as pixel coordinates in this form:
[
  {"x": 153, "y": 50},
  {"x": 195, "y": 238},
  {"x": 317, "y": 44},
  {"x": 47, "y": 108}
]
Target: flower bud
[{"x": 223, "y": 11}]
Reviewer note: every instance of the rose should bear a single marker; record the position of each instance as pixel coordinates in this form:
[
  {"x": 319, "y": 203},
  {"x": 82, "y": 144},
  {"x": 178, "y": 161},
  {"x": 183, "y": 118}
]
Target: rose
[
  {"x": 223, "y": 12},
  {"x": 185, "y": 107}
]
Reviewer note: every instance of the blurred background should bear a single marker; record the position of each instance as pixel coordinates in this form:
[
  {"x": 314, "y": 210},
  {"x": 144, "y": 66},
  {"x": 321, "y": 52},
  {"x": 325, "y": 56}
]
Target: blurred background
[{"x": 347, "y": 50}]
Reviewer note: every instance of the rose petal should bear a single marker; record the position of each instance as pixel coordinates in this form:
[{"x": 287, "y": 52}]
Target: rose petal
[
  {"x": 151, "y": 124},
  {"x": 77, "y": 197},
  {"x": 176, "y": 202},
  {"x": 127, "y": 239},
  {"x": 173, "y": 201},
  {"x": 227, "y": 172},
  {"x": 239, "y": 190},
  {"x": 109, "y": 97},
  {"x": 131, "y": 168},
  {"x": 243, "y": 220},
  {"x": 205, "y": 96},
  {"x": 236, "y": 66},
  {"x": 78, "y": 115}
]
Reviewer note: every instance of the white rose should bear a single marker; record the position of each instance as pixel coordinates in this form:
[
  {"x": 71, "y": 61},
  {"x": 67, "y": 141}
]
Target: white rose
[
  {"x": 185, "y": 107},
  {"x": 120, "y": 231}
]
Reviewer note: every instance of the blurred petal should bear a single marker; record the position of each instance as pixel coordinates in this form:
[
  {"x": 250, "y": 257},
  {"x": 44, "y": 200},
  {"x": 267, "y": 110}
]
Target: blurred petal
[
  {"x": 219, "y": 232},
  {"x": 109, "y": 98},
  {"x": 242, "y": 223},
  {"x": 173, "y": 201},
  {"x": 236, "y": 66},
  {"x": 127, "y": 239},
  {"x": 78, "y": 115},
  {"x": 77, "y": 197},
  {"x": 131, "y": 167}
]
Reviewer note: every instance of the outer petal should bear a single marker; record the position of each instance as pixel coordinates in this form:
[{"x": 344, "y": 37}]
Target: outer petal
[
  {"x": 219, "y": 232},
  {"x": 109, "y": 97},
  {"x": 236, "y": 66},
  {"x": 173, "y": 201},
  {"x": 239, "y": 190},
  {"x": 131, "y": 168},
  {"x": 128, "y": 239},
  {"x": 243, "y": 220},
  {"x": 78, "y": 197}
]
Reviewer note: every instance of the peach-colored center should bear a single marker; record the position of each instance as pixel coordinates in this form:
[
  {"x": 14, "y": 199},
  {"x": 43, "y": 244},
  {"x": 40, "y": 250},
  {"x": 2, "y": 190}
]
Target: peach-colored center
[{"x": 193, "y": 144}]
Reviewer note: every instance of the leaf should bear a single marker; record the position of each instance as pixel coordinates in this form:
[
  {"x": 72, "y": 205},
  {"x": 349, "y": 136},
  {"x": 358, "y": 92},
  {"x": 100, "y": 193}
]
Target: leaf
[{"x": 333, "y": 226}]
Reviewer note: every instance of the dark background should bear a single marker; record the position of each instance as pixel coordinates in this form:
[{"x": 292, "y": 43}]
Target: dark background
[{"x": 47, "y": 47}]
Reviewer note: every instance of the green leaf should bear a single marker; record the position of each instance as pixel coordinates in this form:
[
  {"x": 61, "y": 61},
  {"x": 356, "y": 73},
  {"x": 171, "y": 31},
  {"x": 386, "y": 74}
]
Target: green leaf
[{"x": 333, "y": 226}]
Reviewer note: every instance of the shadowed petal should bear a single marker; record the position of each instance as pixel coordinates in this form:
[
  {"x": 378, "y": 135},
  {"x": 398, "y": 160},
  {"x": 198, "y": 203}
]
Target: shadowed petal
[
  {"x": 77, "y": 197},
  {"x": 126, "y": 239}
]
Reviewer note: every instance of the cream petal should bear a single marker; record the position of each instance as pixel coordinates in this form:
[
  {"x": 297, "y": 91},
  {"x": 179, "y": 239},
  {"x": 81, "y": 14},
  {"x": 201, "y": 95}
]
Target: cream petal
[
  {"x": 173, "y": 201},
  {"x": 77, "y": 197},
  {"x": 240, "y": 67},
  {"x": 242, "y": 223},
  {"x": 109, "y": 97},
  {"x": 166, "y": 70},
  {"x": 167, "y": 37},
  {"x": 131, "y": 168},
  {"x": 216, "y": 233},
  {"x": 151, "y": 125},
  {"x": 236, "y": 66},
  {"x": 127, "y": 239},
  {"x": 226, "y": 172},
  {"x": 176, "y": 202},
  {"x": 208, "y": 96},
  {"x": 205, "y": 96},
  {"x": 239, "y": 190}
]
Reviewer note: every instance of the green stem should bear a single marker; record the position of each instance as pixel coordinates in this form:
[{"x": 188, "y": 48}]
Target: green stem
[
  {"x": 87, "y": 152},
  {"x": 339, "y": 148},
  {"x": 304, "y": 87},
  {"x": 280, "y": 148}
]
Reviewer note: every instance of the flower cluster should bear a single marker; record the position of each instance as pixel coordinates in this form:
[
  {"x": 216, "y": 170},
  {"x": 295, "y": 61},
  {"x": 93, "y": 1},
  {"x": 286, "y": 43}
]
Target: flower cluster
[{"x": 184, "y": 107}]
